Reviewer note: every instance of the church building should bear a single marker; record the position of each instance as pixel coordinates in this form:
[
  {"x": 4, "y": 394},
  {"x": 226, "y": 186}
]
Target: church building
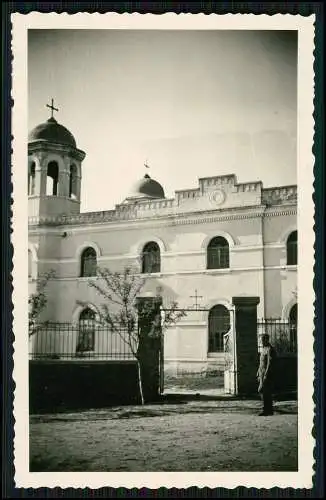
[{"x": 201, "y": 248}]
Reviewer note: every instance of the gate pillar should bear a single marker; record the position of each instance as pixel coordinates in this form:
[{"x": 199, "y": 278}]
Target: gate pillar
[
  {"x": 149, "y": 324},
  {"x": 246, "y": 344}
]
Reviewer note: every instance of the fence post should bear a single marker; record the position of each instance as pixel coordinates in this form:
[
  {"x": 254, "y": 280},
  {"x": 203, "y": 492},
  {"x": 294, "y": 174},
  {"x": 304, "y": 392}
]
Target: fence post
[{"x": 149, "y": 312}]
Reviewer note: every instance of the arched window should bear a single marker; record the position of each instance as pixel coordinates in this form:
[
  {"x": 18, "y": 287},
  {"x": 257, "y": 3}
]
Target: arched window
[
  {"x": 88, "y": 262},
  {"x": 73, "y": 182},
  {"x": 52, "y": 179},
  {"x": 151, "y": 258},
  {"x": 31, "y": 179},
  {"x": 218, "y": 253},
  {"x": 86, "y": 331},
  {"x": 218, "y": 325},
  {"x": 29, "y": 263},
  {"x": 292, "y": 249},
  {"x": 293, "y": 321}
]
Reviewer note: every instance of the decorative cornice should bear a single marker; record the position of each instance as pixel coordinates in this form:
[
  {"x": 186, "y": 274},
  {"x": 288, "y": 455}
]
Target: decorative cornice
[
  {"x": 47, "y": 196},
  {"x": 279, "y": 195},
  {"x": 126, "y": 217},
  {"x": 281, "y": 212},
  {"x": 44, "y": 147},
  {"x": 123, "y": 217},
  {"x": 207, "y": 220}
]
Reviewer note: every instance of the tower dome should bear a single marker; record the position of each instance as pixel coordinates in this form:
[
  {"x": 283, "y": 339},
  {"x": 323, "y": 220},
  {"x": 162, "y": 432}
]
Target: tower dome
[
  {"x": 52, "y": 131},
  {"x": 54, "y": 170},
  {"x": 147, "y": 188}
]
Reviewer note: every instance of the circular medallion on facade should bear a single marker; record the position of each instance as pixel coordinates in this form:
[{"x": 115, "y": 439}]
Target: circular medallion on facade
[{"x": 217, "y": 197}]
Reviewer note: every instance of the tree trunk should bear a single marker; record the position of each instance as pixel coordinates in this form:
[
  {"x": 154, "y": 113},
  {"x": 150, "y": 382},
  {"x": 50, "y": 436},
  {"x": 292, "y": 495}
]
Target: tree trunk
[{"x": 140, "y": 385}]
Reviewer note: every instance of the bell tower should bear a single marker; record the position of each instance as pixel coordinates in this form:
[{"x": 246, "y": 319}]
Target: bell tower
[{"x": 54, "y": 170}]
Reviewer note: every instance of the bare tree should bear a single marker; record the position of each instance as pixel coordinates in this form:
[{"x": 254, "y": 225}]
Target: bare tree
[
  {"x": 121, "y": 310},
  {"x": 37, "y": 302}
]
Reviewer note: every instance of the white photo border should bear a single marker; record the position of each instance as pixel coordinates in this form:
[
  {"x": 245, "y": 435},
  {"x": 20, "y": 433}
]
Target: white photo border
[{"x": 303, "y": 478}]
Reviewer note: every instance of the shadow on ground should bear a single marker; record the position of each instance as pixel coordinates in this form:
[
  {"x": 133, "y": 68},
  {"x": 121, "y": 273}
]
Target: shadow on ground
[
  {"x": 166, "y": 400},
  {"x": 167, "y": 408}
]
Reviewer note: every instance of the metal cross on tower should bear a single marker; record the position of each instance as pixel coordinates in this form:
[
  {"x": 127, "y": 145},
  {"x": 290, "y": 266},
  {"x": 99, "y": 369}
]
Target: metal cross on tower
[
  {"x": 196, "y": 297},
  {"x": 146, "y": 164},
  {"x": 52, "y": 107}
]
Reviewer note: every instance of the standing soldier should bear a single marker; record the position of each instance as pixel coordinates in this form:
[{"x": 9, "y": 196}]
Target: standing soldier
[{"x": 265, "y": 375}]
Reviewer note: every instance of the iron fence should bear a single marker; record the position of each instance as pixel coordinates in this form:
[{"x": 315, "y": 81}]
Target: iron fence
[
  {"x": 86, "y": 340},
  {"x": 282, "y": 335},
  {"x": 75, "y": 342}
]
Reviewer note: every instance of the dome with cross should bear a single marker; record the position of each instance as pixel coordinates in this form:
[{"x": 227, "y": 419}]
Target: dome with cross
[
  {"x": 147, "y": 188},
  {"x": 52, "y": 131}
]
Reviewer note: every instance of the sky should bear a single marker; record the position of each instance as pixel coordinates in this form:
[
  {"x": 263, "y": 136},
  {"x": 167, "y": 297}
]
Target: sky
[{"x": 189, "y": 103}]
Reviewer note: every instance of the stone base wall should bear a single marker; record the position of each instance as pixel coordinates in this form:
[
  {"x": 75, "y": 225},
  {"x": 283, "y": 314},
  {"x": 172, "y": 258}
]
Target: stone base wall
[{"x": 57, "y": 386}]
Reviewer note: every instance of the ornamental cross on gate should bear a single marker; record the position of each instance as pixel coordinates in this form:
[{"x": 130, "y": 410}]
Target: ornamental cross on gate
[{"x": 196, "y": 297}]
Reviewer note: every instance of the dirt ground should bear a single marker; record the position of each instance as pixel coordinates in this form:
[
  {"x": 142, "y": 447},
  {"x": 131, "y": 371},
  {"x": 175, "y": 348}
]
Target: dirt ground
[{"x": 209, "y": 435}]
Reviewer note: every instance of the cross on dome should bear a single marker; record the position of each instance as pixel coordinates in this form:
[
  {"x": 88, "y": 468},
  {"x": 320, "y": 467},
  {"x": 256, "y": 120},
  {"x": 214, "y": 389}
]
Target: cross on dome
[{"x": 52, "y": 107}]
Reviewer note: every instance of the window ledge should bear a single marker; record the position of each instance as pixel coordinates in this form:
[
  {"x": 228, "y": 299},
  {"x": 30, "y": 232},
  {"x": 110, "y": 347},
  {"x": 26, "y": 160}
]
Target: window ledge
[
  {"x": 215, "y": 354},
  {"x": 218, "y": 271}
]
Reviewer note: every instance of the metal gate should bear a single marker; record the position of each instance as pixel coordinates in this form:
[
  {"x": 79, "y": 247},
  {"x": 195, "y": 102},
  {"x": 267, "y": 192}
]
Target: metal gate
[
  {"x": 228, "y": 347},
  {"x": 165, "y": 310},
  {"x": 230, "y": 357}
]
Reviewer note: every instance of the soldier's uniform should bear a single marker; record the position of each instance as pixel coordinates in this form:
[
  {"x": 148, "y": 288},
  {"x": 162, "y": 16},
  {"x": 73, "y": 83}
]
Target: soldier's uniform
[{"x": 265, "y": 377}]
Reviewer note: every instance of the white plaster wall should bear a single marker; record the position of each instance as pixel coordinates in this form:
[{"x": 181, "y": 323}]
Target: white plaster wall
[
  {"x": 288, "y": 286},
  {"x": 257, "y": 268}
]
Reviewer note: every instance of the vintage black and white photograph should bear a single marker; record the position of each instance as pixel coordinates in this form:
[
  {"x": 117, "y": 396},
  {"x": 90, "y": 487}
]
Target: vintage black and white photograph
[{"x": 162, "y": 247}]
